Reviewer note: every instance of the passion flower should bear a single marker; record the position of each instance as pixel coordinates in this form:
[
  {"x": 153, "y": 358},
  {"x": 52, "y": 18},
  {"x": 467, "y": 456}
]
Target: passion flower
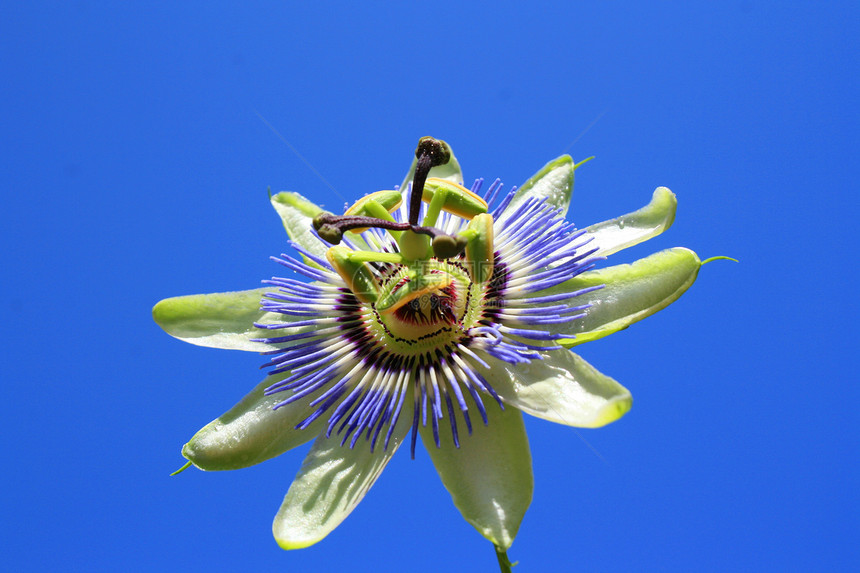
[{"x": 446, "y": 330}]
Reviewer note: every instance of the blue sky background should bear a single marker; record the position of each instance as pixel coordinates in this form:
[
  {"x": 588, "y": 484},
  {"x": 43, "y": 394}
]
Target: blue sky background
[{"x": 138, "y": 142}]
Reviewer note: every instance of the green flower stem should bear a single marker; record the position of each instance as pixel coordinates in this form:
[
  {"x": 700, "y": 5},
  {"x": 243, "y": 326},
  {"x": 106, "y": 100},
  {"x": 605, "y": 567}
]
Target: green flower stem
[{"x": 504, "y": 563}]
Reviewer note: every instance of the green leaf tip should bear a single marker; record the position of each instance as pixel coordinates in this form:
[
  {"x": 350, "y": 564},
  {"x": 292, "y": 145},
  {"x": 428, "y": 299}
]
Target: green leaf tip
[
  {"x": 719, "y": 258},
  {"x": 182, "y": 469},
  {"x": 583, "y": 162}
]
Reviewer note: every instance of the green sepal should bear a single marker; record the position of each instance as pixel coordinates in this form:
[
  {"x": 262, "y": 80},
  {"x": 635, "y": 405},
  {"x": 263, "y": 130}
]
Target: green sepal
[
  {"x": 184, "y": 467},
  {"x": 297, "y": 214},
  {"x": 630, "y": 292},
  {"x": 218, "y": 320},
  {"x": 253, "y": 431},
  {"x": 554, "y": 182}
]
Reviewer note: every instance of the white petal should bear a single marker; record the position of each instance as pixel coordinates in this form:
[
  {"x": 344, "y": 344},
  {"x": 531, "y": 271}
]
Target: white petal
[
  {"x": 561, "y": 388},
  {"x": 219, "y": 320},
  {"x": 331, "y": 482},
  {"x": 252, "y": 432},
  {"x": 489, "y": 476},
  {"x": 633, "y": 228}
]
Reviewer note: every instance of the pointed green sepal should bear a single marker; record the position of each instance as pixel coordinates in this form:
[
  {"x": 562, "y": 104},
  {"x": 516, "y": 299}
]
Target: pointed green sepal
[
  {"x": 581, "y": 163},
  {"x": 182, "y": 469},
  {"x": 554, "y": 182},
  {"x": 297, "y": 214},
  {"x": 719, "y": 258},
  {"x": 218, "y": 320},
  {"x": 630, "y": 292},
  {"x": 253, "y": 430}
]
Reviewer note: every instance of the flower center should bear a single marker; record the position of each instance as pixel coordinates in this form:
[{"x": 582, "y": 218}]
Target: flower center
[{"x": 428, "y": 308}]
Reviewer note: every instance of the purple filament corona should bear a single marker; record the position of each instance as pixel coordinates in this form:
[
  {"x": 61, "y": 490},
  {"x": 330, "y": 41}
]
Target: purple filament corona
[{"x": 330, "y": 356}]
